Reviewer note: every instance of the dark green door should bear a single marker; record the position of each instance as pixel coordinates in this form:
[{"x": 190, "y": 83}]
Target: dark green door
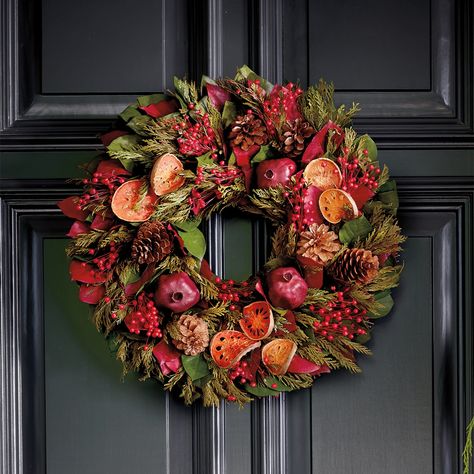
[{"x": 68, "y": 67}]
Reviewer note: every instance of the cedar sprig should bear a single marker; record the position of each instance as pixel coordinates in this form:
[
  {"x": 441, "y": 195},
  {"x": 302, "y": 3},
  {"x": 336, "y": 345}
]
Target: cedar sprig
[
  {"x": 336, "y": 352},
  {"x": 386, "y": 236},
  {"x": 269, "y": 202},
  {"x": 296, "y": 381},
  {"x": 387, "y": 277},
  {"x": 284, "y": 241},
  {"x": 318, "y": 298}
]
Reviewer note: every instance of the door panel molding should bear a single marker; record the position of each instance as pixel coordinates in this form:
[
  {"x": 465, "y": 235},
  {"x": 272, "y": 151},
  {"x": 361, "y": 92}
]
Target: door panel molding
[{"x": 441, "y": 208}]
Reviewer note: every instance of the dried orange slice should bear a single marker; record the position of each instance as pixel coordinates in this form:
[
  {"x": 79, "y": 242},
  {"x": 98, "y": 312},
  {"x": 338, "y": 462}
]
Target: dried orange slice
[
  {"x": 228, "y": 347},
  {"x": 323, "y": 173},
  {"x": 277, "y": 355},
  {"x": 336, "y": 205},
  {"x": 165, "y": 176},
  {"x": 128, "y": 203},
  {"x": 257, "y": 322}
]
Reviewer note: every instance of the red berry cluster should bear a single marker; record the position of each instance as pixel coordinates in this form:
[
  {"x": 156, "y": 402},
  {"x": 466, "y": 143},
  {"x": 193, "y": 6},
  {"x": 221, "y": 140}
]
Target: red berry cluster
[
  {"x": 197, "y": 139},
  {"x": 100, "y": 189},
  {"x": 341, "y": 317},
  {"x": 107, "y": 260},
  {"x": 232, "y": 292},
  {"x": 282, "y": 100},
  {"x": 143, "y": 316},
  {"x": 353, "y": 175},
  {"x": 241, "y": 373},
  {"x": 298, "y": 214}
]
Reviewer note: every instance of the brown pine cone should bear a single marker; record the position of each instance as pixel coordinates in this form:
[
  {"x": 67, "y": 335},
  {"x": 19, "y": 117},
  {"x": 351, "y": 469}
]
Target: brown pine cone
[
  {"x": 355, "y": 266},
  {"x": 152, "y": 243},
  {"x": 246, "y": 131},
  {"x": 319, "y": 244},
  {"x": 190, "y": 334},
  {"x": 293, "y": 136}
]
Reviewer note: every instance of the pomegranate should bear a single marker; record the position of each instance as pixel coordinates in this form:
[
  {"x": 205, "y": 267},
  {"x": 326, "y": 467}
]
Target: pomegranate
[
  {"x": 176, "y": 292},
  {"x": 286, "y": 288},
  {"x": 274, "y": 172}
]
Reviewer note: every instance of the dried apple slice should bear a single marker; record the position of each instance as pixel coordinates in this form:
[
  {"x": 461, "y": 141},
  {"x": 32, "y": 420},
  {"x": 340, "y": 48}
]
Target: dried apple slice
[
  {"x": 165, "y": 176},
  {"x": 228, "y": 347},
  {"x": 128, "y": 203},
  {"x": 277, "y": 355}
]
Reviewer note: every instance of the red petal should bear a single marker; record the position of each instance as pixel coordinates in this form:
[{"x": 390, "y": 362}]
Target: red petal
[
  {"x": 311, "y": 211},
  {"x": 86, "y": 273},
  {"x": 290, "y": 325},
  {"x": 168, "y": 357},
  {"x": 315, "y": 148},
  {"x": 110, "y": 168},
  {"x": 160, "y": 109},
  {"x": 299, "y": 365},
  {"x": 108, "y": 138},
  {"x": 217, "y": 95},
  {"x": 91, "y": 294},
  {"x": 69, "y": 206},
  {"x": 78, "y": 228},
  {"x": 313, "y": 276},
  {"x": 101, "y": 223},
  {"x": 361, "y": 195},
  {"x": 206, "y": 271}
]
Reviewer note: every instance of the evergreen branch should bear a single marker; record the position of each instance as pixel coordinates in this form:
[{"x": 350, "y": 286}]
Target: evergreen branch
[
  {"x": 386, "y": 236},
  {"x": 467, "y": 451}
]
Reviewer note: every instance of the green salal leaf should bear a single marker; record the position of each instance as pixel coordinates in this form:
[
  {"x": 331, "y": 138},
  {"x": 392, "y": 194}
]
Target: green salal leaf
[
  {"x": 206, "y": 160},
  {"x": 124, "y": 143},
  {"x": 188, "y": 225},
  {"x": 245, "y": 73},
  {"x": 229, "y": 112},
  {"x": 261, "y": 391},
  {"x": 366, "y": 143},
  {"x": 130, "y": 112},
  {"x": 195, "y": 366},
  {"x": 385, "y": 300},
  {"x": 194, "y": 242},
  {"x": 277, "y": 384},
  {"x": 145, "y": 100},
  {"x": 262, "y": 155},
  {"x": 355, "y": 229},
  {"x": 129, "y": 275},
  {"x": 363, "y": 338},
  {"x": 138, "y": 123},
  {"x": 206, "y": 80},
  {"x": 232, "y": 159},
  {"x": 388, "y": 195}
]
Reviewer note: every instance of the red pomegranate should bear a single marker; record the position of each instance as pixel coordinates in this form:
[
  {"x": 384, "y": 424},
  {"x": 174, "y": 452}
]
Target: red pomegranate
[
  {"x": 286, "y": 288},
  {"x": 176, "y": 292},
  {"x": 274, "y": 172}
]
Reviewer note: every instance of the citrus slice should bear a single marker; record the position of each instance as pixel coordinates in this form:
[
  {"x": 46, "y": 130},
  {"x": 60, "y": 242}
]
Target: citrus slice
[
  {"x": 323, "y": 173},
  {"x": 128, "y": 203},
  {"x": 277, "y": 355},
  {"x": 228, "y": 347},
  {"x": 165, "y": 176},
  {"x": 257, "y": 322},
  {"x": 336, "y": 205}
]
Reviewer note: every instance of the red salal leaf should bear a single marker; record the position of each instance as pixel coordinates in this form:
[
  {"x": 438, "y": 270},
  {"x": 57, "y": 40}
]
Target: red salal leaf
[
  {"x": 168, "y": 357},
  {"x": 299, "y": 365},
  {"x": 259, "y": 288},
  {"x": 132, "y": 288},
  {"x": 311, "y": 211},
  {"x": 70, "y": 208},
  {"x": 361, "y": 195},
  {"x": 253, "y": 363},
  {"x": 160, "y": 109},
  {"x": 91, "y": 294},
  {"x": 86, "y": 273},
  {"x": 101, "y": 223},
  {"x": 316, "y": 147},
  {"x": 313, "y": 276},
  {"x": 108, "y": 138},
  {"x": 243, "y": 161},
  {"x": 78, "y": 228},
  {"x": 217, "y": 95},
  {"x": 111, "y": 168},
  {"x": 206, "y": 271}
]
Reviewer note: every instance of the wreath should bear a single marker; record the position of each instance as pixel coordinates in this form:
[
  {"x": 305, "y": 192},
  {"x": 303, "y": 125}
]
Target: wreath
[{"x": 276, "y": 151}]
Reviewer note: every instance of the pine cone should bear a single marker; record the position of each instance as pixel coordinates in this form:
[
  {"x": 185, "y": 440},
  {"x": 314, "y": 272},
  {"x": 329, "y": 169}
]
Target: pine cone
[
  {"x": 152, "y": 243},
  {"x": 190, "y": 334},
  {"x": 355, "y": 266},
  {"x": 248, "y": 130},
  {"x": 319, "y": 244},
  {"x": 293, "y": 137}
]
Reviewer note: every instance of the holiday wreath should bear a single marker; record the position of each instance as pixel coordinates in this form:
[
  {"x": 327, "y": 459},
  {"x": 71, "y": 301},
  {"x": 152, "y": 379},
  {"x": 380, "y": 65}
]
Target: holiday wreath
[{"x": 276, "y": 151}]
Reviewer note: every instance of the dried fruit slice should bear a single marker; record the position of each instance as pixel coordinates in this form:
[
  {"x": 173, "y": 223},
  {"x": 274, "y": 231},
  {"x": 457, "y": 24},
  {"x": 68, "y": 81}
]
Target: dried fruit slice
[
  {"x": 277, "y": 355},
  {"x": 165, "y": 176},
  {"x": 323, "y": 173},
  {"x": 228, "y": 347},
  {"x": 257, "y": 322},
  {"x": 336, "y": 205},
  {"x": 129, "y": 205}
]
